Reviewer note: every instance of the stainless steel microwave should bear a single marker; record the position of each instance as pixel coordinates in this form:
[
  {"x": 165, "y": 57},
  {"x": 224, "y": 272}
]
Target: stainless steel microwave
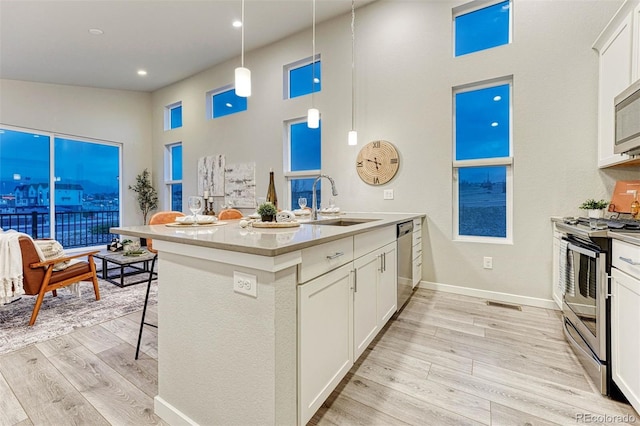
[{"x": 627, "y": 121}]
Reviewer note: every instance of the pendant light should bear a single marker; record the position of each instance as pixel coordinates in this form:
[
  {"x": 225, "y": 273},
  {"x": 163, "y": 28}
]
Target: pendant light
[
  {"x": 243, "y": 75},
  {"x": 353, "y": 134},
  {"x": 313, "y": 115}
]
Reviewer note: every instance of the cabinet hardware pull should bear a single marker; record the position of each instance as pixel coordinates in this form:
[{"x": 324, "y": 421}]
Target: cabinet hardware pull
[
  {"x": 629, "y": 261},
  {"x": 355, "y": 280},
  {"x": 384, "y": 262},
  {"x": 336, "y": 255}
]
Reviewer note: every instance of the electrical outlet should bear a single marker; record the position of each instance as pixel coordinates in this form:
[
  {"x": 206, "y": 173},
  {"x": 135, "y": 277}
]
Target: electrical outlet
[
  {"x": 487, "y": 262},
  {"x": 245, "y": 283},
  {"x": 387, "y": 194}
]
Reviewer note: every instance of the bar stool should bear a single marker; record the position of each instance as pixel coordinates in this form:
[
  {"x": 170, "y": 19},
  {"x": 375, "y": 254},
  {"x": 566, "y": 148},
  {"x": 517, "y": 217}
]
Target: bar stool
[{"x": 158, "y": 218}]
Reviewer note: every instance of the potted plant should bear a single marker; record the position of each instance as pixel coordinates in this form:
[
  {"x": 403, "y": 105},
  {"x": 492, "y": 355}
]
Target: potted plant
[
  {"x": 595, "y": 209},
  {"x": 147, "y": 195},
  {"x": 267, "y": 212}
]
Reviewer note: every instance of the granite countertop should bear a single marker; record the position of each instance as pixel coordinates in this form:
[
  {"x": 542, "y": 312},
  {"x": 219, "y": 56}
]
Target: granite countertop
[{"x": 265, "y": 241}]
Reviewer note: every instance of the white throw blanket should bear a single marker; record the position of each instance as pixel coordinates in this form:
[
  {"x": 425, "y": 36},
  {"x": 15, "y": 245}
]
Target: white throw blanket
[{"x": 11, "y": 278}]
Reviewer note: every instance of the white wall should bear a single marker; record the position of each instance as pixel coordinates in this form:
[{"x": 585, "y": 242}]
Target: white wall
[
  {"x": 405, "y": 72},
  {"x": 111, "y": 115}
]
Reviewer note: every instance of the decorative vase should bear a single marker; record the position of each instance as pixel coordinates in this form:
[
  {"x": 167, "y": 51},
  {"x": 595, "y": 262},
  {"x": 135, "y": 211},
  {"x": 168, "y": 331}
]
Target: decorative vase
[
  {"x": 267, "y": 218},
  {"x": 595, "y": 214}
]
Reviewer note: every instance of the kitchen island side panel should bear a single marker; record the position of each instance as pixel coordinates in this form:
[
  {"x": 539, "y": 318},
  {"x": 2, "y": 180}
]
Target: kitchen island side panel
[{"x": 224, "y": 357}]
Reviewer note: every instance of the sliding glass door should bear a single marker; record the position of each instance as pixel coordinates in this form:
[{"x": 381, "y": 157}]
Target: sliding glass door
[{"x": 85, "y": 200}]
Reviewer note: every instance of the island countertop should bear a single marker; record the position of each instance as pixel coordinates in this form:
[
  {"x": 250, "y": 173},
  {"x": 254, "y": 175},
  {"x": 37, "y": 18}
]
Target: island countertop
[{"x": 266, "y": 241}]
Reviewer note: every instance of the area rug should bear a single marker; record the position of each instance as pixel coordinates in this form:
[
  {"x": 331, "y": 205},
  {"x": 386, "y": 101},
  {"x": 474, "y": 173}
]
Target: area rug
[{"x": 65, "y": 313}]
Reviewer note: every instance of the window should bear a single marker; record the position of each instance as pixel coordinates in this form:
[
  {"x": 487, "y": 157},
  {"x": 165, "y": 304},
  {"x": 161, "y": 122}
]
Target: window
[
  {"x": 173, "y": 116},
  {"x": 173, "y": 175},
  {"x": 303, "y": 162},
  {"x": 224, "y": 101},
  {"x": 481, "y": 28},
  {"x": 85, "y": 200},
  {"x": 302, "y": 78},
  {"x": 482, "y": 168}
]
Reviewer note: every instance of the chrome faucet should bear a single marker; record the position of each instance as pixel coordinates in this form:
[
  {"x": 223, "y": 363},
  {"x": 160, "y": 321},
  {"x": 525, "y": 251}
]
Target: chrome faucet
[{"x": 314, "y": 209}]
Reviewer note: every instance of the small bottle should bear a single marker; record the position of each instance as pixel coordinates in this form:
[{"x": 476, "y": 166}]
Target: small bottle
[
  {"x": 635, "y": 206},
  {"x": 271, "y": 192}
]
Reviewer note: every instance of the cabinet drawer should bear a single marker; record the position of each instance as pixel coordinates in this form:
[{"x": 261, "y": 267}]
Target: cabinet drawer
[
  {"x": 626, "y": 257},
  {"x": 417, "y": 237},
  {"x": 323, "y": 258},
  {"x": 417, "y": 251},
  {"x": 417, "y": 225},
  {"x": 372, "y": 240},
  {"x": 417, "y": 270}
]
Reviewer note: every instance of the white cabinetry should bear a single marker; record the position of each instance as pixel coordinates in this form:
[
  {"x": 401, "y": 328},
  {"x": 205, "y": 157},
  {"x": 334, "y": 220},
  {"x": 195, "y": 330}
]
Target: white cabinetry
[
  {"x": 617, "y": 47},
  {"x": 341, "y": 311},
  {"x": 325, "y": 350},
  {"x": 625, "y": 317},
  {"x": 417, "y": 252}
]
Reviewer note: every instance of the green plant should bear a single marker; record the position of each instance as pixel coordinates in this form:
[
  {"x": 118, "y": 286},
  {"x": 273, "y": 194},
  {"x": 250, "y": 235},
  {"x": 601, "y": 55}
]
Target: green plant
[
  {"x": 592, "y": 204},
  {"x": 267, "y": 209},
  {"x": 147, "y": 195}
]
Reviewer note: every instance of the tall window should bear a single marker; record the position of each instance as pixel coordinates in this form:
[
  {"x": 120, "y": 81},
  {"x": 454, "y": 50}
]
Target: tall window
[
  {"x": 483, "y": 161},
  {"x": 76, "y": 204},
  {"x": 304, "y": 161},
  {"x": 302, "y": 77},
  {"x": 224, "y": 101},
  {"x": 173, "y": 116},
  {"x": 173, "y": 175},
  {"x": 479, "y": 27}
]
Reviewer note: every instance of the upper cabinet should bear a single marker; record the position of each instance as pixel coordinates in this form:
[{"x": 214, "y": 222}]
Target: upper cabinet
[{"x": 618, "y": 47}]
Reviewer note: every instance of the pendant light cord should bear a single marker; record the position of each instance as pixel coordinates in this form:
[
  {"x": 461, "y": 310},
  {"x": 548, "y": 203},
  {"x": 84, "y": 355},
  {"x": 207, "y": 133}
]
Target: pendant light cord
[
  {"x": 242, "y": 36},
  {"x": 353, "y": 64},
  {"x": 313, "y": 54}
]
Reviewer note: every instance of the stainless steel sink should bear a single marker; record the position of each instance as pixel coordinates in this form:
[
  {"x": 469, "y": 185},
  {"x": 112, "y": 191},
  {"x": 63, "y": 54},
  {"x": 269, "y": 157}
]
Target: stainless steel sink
[{"x": 341, "y": 221}]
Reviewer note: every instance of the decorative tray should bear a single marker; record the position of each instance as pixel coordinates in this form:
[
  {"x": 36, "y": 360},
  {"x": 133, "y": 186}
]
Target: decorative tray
[
  {"x": 194, "y": 225},
  {"x": 258, "y": 224}
]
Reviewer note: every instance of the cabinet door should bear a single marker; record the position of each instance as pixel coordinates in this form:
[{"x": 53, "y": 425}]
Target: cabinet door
[
  {"x": 625, "y": 335},
  {"x": 635, "y": 72},
  {"x": 325, "y": 342},
  {"x": 615, "y": 76},
  {"x": 387, "y": 285},
  {"x": 365, "y": 300}
]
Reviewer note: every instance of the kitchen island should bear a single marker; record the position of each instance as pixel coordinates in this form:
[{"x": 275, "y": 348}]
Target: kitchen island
[{"x": 242, "y": 337}]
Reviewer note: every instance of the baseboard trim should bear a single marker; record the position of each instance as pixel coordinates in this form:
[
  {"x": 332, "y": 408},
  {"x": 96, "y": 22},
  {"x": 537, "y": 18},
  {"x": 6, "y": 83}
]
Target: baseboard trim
[
  {"x": 491, "y": 295},
  {"x": 170, "y": 414}
]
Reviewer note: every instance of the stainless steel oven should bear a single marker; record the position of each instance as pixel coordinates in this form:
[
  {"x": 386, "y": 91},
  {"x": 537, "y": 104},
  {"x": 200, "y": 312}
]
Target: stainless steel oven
[{"x": 585, "y": 265}]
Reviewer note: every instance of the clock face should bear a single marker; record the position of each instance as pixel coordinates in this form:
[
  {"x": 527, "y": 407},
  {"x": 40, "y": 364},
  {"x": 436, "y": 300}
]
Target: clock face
[{"x": 377, "y": 162}]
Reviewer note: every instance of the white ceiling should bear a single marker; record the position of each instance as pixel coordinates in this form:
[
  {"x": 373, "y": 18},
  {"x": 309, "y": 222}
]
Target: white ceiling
[{"x": 48, "y": 41}]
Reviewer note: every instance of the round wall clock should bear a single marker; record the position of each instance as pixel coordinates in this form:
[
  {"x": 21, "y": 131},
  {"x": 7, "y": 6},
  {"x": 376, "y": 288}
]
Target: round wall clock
[{"x": 377, "y": 162}]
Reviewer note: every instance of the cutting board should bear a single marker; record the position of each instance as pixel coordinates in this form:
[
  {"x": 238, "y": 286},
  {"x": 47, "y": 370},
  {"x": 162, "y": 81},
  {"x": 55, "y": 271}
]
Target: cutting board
[
  {"x": 621, "y": 199},
  {"x": 275, "y": 224}
]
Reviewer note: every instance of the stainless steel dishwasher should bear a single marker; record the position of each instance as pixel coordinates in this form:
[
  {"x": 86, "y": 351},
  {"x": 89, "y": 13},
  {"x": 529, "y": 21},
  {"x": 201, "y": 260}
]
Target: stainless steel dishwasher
[{"x": 405, "y": 262}]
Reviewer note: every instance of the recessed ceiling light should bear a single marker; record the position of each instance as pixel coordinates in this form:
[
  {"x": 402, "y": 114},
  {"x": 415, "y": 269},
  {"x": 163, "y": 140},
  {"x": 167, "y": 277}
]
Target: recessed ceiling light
[
  {"x": 142, "y": 72},
  {"x": 494, "y": 124},
  {"x": 497, "y": 98},
  {"x": 237, "y": 24},
  {"x": 96, "y": 31}
]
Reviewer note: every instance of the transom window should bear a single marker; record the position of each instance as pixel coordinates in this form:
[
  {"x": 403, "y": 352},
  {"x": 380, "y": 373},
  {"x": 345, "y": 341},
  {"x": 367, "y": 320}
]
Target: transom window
[
  {"x": 224, "y": 101},
  {"x": 173, "y": 175},
  {"x": 481, "y": 25},
  {"x": 173, "y": 116},
  {"x": 302, "y": 77},
  {"x": 303, "y": 162},
  {"x": 483, "y": 162}
]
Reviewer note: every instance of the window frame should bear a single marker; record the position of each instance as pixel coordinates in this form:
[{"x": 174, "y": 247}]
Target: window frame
[
  {"x": 286, "y": 70},
  {"x": 474, "y": 6},
  {"x": 209, "y": 101},
  {"x": 169, "y": 181},
  {"x": 167, "y": 116},
  {"x": 289, "y": 175},
  {"x": 507, "y": 162}
]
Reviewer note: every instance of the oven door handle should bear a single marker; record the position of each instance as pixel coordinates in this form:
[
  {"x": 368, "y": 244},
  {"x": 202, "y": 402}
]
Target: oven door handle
[{"x": 582, "y": 250}]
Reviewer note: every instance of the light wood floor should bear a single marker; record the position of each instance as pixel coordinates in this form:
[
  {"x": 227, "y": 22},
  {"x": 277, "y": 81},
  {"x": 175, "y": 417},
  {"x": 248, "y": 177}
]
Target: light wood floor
[{"x": 446, "y": 360}]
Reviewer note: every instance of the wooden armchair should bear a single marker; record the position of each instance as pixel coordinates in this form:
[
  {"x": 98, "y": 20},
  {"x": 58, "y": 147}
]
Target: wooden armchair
[{"x": 39, "y": 277}]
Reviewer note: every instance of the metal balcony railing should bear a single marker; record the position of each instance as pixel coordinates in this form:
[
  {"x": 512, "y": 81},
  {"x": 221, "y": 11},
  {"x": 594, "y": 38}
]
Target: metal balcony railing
[{"x": 72, "y": 229}]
